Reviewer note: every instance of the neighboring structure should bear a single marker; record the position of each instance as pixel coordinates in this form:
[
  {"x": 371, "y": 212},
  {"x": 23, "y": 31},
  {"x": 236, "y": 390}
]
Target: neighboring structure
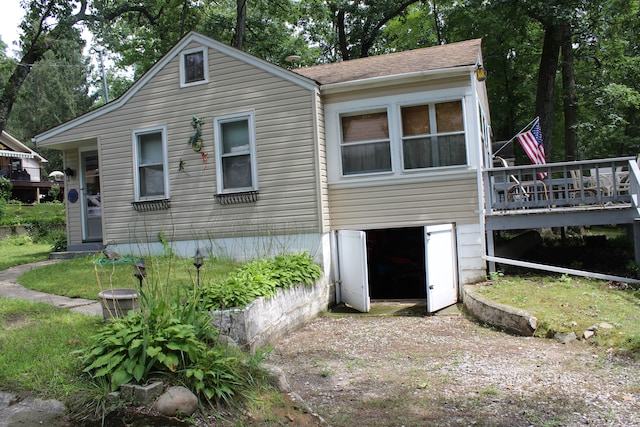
[
  {"x": 374, "y": 165},
  {"x": 23, "y": 167}
]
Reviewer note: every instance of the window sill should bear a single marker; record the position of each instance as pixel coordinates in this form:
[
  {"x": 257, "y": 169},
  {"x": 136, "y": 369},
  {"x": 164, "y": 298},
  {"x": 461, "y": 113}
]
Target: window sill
[
  {"x": 151, "y": 205},
  {"x": 233, "y": 198}
]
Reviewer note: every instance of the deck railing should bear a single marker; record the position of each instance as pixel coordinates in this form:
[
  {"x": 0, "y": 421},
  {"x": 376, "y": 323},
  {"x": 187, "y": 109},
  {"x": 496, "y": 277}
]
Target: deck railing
[{"x": 558, "y": 185}]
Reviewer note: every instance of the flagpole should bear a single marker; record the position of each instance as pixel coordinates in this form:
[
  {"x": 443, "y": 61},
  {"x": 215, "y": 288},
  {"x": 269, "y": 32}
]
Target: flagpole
[{"x": 531, "y": 123}]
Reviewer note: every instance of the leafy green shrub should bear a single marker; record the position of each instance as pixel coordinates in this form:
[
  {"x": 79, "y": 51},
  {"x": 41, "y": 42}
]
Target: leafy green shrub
[
  {"x": 58, "y": 240},
  {"x": 5, "y": 189},
  {"x": 166, "y": 338},
  {"x": 3, "y": 207},
  {"x": 260, "y": 278}
]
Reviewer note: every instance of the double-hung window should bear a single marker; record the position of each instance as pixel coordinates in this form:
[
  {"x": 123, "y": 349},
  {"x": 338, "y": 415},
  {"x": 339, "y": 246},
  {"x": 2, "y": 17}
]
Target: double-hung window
[
  {"x": 433, "y": 135},
  {"x": 236, "y": 154},
  {"x": 151, "y": 169},
  {"x": 365, "y": 145},
  {"x": 194, "y": 67}
]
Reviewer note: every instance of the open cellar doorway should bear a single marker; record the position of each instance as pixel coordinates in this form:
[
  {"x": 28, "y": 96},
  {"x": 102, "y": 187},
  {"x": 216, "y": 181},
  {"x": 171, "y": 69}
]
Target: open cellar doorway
[{"x": 396, "y": 264}]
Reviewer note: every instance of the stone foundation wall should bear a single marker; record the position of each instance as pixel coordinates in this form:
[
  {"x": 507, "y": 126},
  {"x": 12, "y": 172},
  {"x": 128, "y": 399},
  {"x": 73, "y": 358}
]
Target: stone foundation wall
[{"x": 266, "y": 320}]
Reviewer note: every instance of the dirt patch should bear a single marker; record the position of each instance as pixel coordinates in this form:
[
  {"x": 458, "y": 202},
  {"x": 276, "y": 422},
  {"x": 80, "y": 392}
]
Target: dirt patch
[{"x": 448, "y": 371}]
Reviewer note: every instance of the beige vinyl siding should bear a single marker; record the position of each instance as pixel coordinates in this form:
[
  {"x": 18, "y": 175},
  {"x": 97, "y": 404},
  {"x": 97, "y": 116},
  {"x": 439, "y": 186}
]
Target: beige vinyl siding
[
  {"x": 405, "y": 205},
  {"x": 285, "y": 146}
]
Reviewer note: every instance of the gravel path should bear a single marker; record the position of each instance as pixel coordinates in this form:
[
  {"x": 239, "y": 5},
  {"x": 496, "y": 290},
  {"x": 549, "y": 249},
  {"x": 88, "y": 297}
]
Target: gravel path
[{"x": 449, "y": 371}]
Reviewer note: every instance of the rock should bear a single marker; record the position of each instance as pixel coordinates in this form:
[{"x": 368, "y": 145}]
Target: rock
[
  {"x": 33, "y": 412},
  {"x": 588, "y": 334},
  {"x": 605, "y": 325},
  {"x": 565, "y": 337},
  {"x": 175, "y": 401},
  {"x": 226, "y": 340},
  {"x": 144, "y": 395},
  {"x": 277, "y": 376}
]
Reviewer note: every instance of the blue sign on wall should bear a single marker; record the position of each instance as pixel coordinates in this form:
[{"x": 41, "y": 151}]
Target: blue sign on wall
[{"x": 72, "y": 195}]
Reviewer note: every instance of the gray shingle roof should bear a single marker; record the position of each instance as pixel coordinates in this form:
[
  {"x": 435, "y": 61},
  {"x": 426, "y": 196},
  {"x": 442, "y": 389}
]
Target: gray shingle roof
[{"x": 450, "y": 55}]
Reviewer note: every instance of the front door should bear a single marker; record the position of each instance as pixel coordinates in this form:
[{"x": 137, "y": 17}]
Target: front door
[
  {"x": 92, "y": 203},
  {"x": 442, "y": 289}
]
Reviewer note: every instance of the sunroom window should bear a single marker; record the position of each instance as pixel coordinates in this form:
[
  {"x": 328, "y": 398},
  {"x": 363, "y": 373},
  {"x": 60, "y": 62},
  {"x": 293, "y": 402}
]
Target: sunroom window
[
  {"x": 433, "y": 135},
  {"x": 194, "y": 67},
  {"x": 365, "y": 145}
]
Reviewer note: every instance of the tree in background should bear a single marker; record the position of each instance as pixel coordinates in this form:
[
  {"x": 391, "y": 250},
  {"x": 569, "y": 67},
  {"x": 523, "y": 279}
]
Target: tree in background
[{"x": 55, "y": 91}]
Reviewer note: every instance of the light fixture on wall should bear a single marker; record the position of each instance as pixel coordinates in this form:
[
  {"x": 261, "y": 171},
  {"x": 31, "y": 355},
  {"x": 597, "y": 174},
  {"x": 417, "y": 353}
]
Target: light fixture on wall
[
  {"x": 69, "y": 172},
  {"x": 481, "y": 73}
]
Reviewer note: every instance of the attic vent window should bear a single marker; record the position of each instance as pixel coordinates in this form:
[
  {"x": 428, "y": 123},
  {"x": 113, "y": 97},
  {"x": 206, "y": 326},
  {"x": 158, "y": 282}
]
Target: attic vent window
[{"x": 194, "y": 67}]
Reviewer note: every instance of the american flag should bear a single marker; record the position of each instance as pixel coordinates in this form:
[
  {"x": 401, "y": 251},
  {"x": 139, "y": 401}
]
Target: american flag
[{"x": 532, "y": 143}]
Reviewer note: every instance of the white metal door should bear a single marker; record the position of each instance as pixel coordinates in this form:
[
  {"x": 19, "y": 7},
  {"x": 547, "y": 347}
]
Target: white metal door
[
  {"x": 352, "y": 259},
  {"x": 442, "y": 289}
]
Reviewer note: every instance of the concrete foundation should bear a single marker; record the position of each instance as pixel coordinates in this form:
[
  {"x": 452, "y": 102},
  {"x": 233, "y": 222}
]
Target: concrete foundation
[
  {"x": 502, "y": 316},
  {"x": 265, "y": 320}
]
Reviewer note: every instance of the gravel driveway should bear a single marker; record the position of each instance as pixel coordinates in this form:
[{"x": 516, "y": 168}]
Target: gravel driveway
[{"x": 446, "y": 370}]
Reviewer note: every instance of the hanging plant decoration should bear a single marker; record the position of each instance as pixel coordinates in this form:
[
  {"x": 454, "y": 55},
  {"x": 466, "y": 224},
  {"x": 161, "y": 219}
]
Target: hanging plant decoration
[{"x": 196, "y": 139}]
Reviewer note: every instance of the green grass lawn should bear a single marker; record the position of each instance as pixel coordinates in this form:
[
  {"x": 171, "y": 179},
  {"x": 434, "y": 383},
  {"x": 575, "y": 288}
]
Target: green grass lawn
[
  {"x": 41, "y": 338},
  {"x": 85, "y": 277},
  {"x": 565, "y": 304},
  {"x": 18, "y": 250}
]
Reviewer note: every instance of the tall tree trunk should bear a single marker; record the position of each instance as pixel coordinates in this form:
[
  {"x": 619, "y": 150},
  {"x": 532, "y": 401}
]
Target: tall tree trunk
[
  {"x": 241, "y": 24},
  {"x": 436, "y": 20},
  {"x": 546, "y": 83},
  {"x": 569, "y": 97},
  {"x": 342, "y": 37}
]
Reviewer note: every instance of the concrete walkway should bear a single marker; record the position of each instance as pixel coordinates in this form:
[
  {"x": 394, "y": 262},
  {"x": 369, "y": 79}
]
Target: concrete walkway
[{"x": 9, "y": 288}]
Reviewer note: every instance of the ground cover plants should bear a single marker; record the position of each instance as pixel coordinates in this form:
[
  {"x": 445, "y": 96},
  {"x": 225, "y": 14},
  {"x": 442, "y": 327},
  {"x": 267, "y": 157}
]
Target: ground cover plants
[
  {"x": 171, "y": 336},
  {"x": 565, "y": 304}
]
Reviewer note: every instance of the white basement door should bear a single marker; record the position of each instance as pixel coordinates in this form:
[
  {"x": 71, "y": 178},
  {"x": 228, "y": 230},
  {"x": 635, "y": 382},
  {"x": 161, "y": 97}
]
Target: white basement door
[
  {"x": 352, "y": 261},
  {"x": 440, "y": 265},
  {"x": 442, "y": 290}
]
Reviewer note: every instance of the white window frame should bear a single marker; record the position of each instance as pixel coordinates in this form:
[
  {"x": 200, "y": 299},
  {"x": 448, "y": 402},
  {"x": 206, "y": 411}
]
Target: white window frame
[
  {"x": 393, "y": 105},
  {"x": 431, "y": 105},
  {"x": 205, "y": 65},
  {"x": 218, "y": 121},
  {"x": 136, "y": 162},
  {"x": 389, "y": 139}
]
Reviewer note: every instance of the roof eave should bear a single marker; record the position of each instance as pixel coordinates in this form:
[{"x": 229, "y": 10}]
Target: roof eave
[{"x": 377, "y": 82}]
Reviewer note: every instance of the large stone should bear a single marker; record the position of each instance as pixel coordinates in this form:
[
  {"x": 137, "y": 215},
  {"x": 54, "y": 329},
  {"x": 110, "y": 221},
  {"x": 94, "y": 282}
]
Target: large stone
[
  {"x": 177, "y": 401},
  {"x": 565, "y": 337}
]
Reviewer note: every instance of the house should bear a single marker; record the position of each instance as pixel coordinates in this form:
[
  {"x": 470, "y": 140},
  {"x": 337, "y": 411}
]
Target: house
[
  {"x": 374, "y": 165},
  {"x": 23, "y": 168}
]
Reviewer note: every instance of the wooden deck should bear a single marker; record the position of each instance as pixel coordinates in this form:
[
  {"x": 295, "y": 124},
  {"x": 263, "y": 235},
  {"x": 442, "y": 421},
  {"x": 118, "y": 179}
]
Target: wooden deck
[{"x": 593, "y": 192}]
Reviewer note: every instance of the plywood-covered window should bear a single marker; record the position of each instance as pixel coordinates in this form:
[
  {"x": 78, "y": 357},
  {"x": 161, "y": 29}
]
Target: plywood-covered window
[
  {"x": 433, "y": 135},
  {"x": 194, "y": 67},
  {"x": 236, "y": 153},
  {"x": 365, "y": 145},
  {"x": 151, "y": 169}
]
